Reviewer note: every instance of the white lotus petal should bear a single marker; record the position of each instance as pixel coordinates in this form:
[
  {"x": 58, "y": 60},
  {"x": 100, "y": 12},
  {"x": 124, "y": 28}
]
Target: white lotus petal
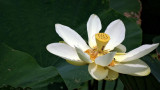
[
  {"x": 142, "y": 73},
  {"x": 64, "y": 51},
  {"x": 105, "y": 60},
  {"x": 93, "y": 27},
  {"x": 83, "y": 56},
  {"x": 97, "y": 72},
  {"x": 130, "y": 67},
  {"x": 112, "y": 75},
  {"x": 116, "y": 31},
  {"x": 120, "y": 48},
  {"x": 137, "y": 53},
  {"x": 71, "y": 37}
]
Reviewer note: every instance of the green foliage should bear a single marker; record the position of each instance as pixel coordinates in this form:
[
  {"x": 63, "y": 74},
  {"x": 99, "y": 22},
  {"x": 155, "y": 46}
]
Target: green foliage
[
  {"x": 154, "y": 65},
  {"x": 140, "y": 83},
  {"x": 129, "y": 8},
  {"x": 123, "y": 6},
  {"x": 20, "y": 69},
  {"x": 157, "y": 40}
]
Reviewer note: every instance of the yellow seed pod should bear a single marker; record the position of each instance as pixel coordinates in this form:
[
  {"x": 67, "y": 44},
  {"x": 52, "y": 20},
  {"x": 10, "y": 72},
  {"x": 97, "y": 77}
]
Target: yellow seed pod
[{"x": 101, "y": 39}]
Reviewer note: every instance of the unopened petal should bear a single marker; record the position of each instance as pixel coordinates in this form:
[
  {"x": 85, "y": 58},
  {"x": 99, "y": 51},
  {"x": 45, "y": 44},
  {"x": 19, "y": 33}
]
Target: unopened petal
[
  {"x": 93, "y": 27},
  {"x": 106, "y": 59},
  {"x": 97, "y": 72},
  {"x": 116, "y": 31},
  {"x": 71, "y": 37}
]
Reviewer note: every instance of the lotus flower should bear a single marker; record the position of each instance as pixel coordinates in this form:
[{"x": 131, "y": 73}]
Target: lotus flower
[{"x": 105, "y": 54}]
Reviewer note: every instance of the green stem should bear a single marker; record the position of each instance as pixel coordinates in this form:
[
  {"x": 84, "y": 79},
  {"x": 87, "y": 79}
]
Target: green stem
[
  {"x": 95, "y": 85},
  {"x": 89, "y": 85},
  {"x": 103, "y": 84},
  {"x": 115, "y": 86}
]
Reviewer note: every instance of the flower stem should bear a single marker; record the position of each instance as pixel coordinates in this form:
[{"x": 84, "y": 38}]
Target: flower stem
[
  {"x": 103, "y": 84},
  {"x": 89, "y": 85},
  {"x": 115, "y": 86},
  {"x": 95, "y": 85}
]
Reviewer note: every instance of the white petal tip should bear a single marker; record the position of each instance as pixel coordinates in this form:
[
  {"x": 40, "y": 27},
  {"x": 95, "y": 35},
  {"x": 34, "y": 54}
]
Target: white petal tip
[
  {"x": 142, "y": 73},
  {"x": 48, "y": 47},
  {"x": 57, "y": 25},
  {"x": 119, "y": 21},
  {"x": 94, "y": 15},
  {"x": 156, "y": 44}
]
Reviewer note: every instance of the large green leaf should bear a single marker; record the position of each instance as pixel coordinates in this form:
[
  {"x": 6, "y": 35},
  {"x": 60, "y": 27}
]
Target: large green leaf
[
  {"x": 129, "y": 8},
  {"x": 157, "y": 40},
  {"x": 155, "y": 66},
  {"x": 109, "y": 85},
  {"x": 28, "y": 26},
  {"x": 21, "y": 70},
  {"x": 123, "y": 6},
  {"x": 140, "y": 83}
]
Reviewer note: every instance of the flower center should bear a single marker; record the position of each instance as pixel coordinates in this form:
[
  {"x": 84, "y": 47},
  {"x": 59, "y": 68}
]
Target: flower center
[
  {"x": 93, "y": 53},
  {"x": 112, "y": 63},
  {"x": 101, "y": 40}
]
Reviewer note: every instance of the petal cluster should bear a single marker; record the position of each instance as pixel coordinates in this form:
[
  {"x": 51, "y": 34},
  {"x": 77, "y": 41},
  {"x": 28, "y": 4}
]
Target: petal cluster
[{"x": 107, "y": 65}]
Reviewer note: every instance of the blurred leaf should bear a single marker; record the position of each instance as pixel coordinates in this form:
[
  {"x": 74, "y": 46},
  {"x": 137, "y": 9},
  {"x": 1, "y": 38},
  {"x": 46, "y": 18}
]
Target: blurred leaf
[
  {"x": 154, "y": 65},
  {"x": 109, "y": 85},
  {"x": 20, "y": 69},
  {"x": 129, "y": 8},
  {"x": 148, "y": 38},
  {"x": 157, "y": 40},
  {"x": 140, "y": 83},
  {"x": 113, "y": 85},
  {"x": 125, "y": 5},
  {"x": 57, "y": 86},
  {"x": 74, "y": 76},
  {"x": 28, "y": 26}
]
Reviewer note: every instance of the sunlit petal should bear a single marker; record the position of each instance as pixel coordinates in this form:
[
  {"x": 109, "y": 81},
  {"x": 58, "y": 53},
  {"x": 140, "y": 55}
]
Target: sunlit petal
[
  {"x": 116, "y": 31},
  {"x": 71, "y": 37},
  {"x": 93, "y": 27},
  {"x": 64, "y": 51},
  {"x": 137, "y": 53},
  {"x": 105, "y": 60},
  {"x": 131, "y": 67},
  {"x": 146, "y": 72}
]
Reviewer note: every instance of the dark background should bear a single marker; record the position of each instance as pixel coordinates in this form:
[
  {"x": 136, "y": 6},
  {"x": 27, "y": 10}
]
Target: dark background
[{"x": 150, "y": 16}]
